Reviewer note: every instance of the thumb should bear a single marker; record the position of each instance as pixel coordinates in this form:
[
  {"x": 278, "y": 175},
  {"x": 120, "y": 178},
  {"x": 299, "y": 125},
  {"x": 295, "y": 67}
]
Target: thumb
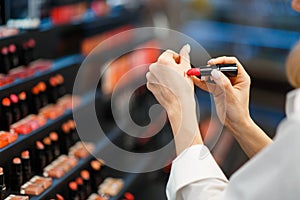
[
  {"x": 221, "y": 80},
  {"x": 185, "y": 55}
]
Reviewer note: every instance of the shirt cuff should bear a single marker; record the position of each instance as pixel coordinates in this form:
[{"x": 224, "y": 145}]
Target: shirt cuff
[{"x": 193, "y": 164}]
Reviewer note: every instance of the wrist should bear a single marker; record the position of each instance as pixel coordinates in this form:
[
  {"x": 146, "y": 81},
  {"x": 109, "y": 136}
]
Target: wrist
[{"x": 246, "y": 123}]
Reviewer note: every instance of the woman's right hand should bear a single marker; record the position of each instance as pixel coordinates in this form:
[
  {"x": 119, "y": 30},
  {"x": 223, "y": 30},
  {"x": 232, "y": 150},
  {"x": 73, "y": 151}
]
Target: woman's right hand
[{"x": 231, "y": 95}]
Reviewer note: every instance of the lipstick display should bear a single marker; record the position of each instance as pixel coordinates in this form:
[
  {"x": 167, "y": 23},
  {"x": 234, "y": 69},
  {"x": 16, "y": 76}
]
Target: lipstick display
[
  {"x": 26, "y": 165},
  {"x": 2, "y": 184},
  {"x": 35, "y": 100},
  {"x": 15, "y": 107},
  {"x": 42, "y": 94},
  {"x": 85, "y": 175},
  {"x": 16, "y": 175},
  {"x": 96, "y": 175},
  {"x": 41, "y": 160},
  {"x": 6, "y": 117},
  {"x": 23, "y": 104},
  {"x": 13, "y": 55},
  {"x": 48, "y": 150},
  {"x": 55, "y": 145},
  {"x": 5, "y": 62},
  {"x": 73, "y": 188}
]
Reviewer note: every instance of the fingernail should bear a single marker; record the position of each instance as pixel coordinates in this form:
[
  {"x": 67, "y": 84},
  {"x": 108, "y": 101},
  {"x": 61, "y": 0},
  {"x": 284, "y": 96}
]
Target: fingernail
[
  {"x": 188, "y": 48},
  {"x": 211, "y": 60},
  {"x": 215, "y": 74}
]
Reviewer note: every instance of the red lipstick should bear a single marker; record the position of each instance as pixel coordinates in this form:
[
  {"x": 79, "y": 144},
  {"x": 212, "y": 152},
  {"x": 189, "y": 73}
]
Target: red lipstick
[
  {"x": 229, "y": 70},
  {"x": 6, "y": 115},
  {"x": 15, "y": 107}
]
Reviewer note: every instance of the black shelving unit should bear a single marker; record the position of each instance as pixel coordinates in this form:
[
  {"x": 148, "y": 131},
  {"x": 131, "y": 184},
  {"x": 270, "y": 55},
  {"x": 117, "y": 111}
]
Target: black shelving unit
[{"x": 67, "y": 61}]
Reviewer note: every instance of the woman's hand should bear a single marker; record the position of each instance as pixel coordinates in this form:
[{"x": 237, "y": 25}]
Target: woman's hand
[
  {"x": 168, "y": 82},
  {"x": 231, "y": 96}
]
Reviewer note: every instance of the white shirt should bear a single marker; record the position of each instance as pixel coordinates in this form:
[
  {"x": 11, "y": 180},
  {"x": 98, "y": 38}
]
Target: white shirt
[{"x": 272, "y": 174}]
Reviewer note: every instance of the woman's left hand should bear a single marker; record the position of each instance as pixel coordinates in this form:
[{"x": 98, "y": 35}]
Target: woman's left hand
[{"x": 174, "y": 90}]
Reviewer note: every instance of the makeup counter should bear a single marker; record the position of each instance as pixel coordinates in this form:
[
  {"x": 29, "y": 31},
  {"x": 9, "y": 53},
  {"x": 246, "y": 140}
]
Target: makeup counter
[{"x": 41, "y": 153}]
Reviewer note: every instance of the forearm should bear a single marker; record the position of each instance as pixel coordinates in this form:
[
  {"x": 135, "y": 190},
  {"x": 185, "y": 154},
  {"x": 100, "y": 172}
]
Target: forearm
[
  {"x": 185, "y": 128},
  {"x": 251, "y": 137}
]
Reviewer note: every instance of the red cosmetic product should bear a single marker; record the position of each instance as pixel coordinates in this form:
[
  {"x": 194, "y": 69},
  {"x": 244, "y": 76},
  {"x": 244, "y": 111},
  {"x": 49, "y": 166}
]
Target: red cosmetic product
[
  {"x": 25, "y": 60},
  {"x": 54, "y": 139},
  {"x": 16, "y": 175},
  {"x": 96, "y": 177},
  {"x": 59, "y": 197},
  {"x": 26, "y": 166},
  {"x": 3, "y": 141},
  {"x": 35, "y": 100},
  {"x": 60, "y": 85},
  {"x": 5, "y": 63},
  {"x": 41, "y": 160},
  {"x": 73, "y": 188},
  {"x": 31, "y": 48},
  {"x": 43, "y": 95},
  {"x": 53, "y": 90},
  {"x": 81, "y": 189},
  {"x": 128, "y": 196},
  {"x": 2, "y": 184},
  {"x": 229, "y": 70},
  {"x": 85, "y": 175},
  {"x": 15, "y": 107},
  {"x": 66, "y": 138},
  {"x": 6, "y": 115},
  {"x": 23, "y": 104},
  {"x": 13, "y": 55},
  {"x": 73, "y": 131},
  {"x": 48, "y": 149}
]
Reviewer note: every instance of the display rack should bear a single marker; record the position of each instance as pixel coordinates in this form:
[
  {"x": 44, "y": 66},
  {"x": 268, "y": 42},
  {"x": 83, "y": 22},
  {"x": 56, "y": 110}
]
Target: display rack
[{"x": 66, "y": 61}]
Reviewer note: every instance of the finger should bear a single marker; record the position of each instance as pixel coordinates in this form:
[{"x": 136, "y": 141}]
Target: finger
[
  {"x": 199, "y": 83},
  {"x": 166, "y": 57},
  {"x": 222, "y": 81},
  {"x": 242, "y": 74},
  {"x": 185, "y": 55}
]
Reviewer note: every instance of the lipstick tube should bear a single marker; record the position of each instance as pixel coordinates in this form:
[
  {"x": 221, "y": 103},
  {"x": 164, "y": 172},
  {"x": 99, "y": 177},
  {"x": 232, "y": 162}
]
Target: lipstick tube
[
  {"x": 48, "y": 149},
  {"x": 96, "y": 174},
  {"x": 81, "y": 189},
  {"x": 17, "y": 175},
  {"x": 26, "y": 165},
  {"x": 229, "y": 70},
  {"x": 54, "y": 140},
  {"x": 41, "y": 160},
  {"x": 43, "y": 95},
  {"x": 15, "y": 107},
  {"x": 2, "y": 185},
  {"x": 73, "y": 191},
  {"x": 13, "y": 55},
  {"x": 23, "y": 104},
  {"x": 5, "y": 63},
  {"x": 6, "y": 117},
  {"x": 85, "y": 175},
  {"x": 35, "y": 100}
]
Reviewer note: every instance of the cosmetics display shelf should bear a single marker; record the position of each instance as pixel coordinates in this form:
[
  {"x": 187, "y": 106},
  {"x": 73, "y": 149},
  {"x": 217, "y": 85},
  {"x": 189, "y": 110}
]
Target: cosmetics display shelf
[
  {"x": 110, "y": 21},
  {"x": 57, "y": 65},
  {"x": 59, "y": 184},
  {"x": 13, "y": 149}
]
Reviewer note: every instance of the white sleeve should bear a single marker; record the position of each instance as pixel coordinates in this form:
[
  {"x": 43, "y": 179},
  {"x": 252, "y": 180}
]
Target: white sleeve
[
  {"x": 195, "y": 175},
  {"x": 271, "y": 174}
]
